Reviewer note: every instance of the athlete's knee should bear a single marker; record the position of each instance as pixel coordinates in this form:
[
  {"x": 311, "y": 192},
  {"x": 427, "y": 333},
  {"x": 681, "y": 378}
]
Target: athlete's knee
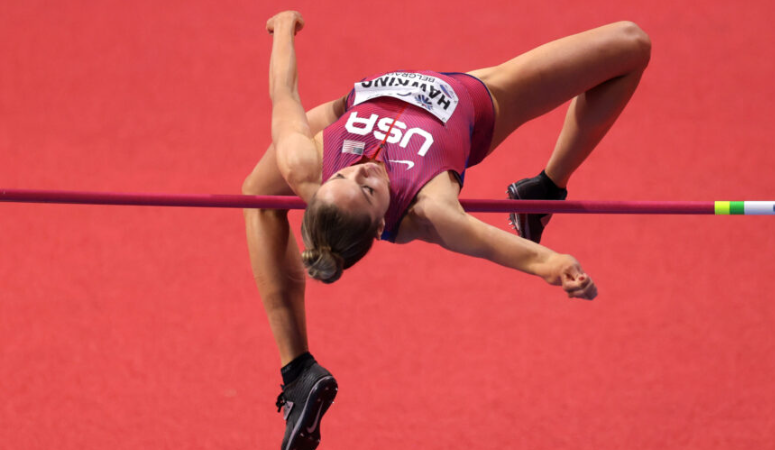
[
  {"x": 259, "y": 183},
  {"x": 252, "y": 185},
  {"x": 637, "y": 42},
  {"x": 255, "y": 185},
  {"x": 265, "y": 182}
]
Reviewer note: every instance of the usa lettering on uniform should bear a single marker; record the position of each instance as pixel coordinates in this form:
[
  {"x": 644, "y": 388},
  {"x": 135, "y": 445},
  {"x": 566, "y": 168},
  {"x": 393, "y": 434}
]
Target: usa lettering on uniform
[{"x": 364, "y": 126}]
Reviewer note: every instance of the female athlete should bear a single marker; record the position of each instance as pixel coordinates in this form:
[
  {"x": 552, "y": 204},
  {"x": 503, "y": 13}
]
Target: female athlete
[{"x": 387, "y": 162}]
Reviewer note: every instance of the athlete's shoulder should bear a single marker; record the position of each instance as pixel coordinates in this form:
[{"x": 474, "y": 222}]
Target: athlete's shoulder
[{"x": 435, "y": 199}]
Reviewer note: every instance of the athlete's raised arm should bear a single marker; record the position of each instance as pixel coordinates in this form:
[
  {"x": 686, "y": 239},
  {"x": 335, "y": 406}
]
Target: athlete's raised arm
[{"x": 297, "y": 157}]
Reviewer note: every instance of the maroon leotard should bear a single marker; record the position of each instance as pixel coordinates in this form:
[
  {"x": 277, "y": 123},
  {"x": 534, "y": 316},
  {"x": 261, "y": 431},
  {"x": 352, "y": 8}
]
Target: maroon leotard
[{"x": 419, "y": 145}]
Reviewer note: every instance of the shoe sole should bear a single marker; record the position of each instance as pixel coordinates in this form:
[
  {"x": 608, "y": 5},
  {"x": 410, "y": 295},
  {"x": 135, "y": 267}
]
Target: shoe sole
[
  {"x": 320, "y": 398},
  {"x": 519, "y": 221}
]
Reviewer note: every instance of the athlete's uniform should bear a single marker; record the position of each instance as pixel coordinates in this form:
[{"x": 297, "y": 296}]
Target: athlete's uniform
[{"x": 427, "y": 123}]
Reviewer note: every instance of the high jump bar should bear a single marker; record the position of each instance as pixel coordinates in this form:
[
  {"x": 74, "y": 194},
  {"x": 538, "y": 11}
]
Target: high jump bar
[{"x": 470, "y": 205}]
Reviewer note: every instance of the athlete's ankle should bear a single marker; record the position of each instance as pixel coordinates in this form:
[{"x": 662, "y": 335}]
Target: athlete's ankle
[
  {"x": 293, "y": 369},
  {"x": 554, "y": 188}
]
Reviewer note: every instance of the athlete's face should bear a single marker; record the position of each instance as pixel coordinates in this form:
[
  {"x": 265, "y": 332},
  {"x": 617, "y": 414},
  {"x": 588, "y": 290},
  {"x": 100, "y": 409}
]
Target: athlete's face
[{"x": 361, "y": 187}]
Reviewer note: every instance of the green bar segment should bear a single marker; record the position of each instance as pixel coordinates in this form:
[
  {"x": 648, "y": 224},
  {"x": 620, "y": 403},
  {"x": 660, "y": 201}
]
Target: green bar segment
[{"x": 737, "y": 208}]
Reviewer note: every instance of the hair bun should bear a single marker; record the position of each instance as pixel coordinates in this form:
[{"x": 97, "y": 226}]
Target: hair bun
[{"x": 323, "y": 264}]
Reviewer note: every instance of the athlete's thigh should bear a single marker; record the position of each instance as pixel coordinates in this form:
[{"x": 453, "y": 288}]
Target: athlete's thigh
[{"x": 542, "y": 79}]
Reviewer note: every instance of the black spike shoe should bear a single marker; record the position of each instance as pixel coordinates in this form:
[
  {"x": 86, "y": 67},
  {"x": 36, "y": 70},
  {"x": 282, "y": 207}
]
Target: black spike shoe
[
  {"x": 305, "y": 401},
  {"x": 540, "y": 187}
]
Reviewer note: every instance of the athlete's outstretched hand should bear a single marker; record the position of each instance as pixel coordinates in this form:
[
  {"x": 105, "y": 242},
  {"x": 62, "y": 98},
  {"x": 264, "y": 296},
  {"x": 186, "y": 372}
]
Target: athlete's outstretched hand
[
  {"x": 292, "y": 17},
  {"x": 565, "y": 271}
]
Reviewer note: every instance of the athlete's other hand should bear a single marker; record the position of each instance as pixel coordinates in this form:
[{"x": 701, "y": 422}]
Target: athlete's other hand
[
  {"x": 565, "y": 271},
  {"x": 292, "y": 18}
]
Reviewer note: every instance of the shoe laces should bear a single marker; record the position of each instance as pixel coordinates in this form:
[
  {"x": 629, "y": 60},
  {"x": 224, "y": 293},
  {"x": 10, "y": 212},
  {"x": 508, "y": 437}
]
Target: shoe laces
[{"x": 280, "y": 402}]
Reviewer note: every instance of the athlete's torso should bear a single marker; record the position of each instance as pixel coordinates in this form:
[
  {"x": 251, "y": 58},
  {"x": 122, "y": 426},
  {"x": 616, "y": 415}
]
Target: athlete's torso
[{"x": 416, "y": 144}]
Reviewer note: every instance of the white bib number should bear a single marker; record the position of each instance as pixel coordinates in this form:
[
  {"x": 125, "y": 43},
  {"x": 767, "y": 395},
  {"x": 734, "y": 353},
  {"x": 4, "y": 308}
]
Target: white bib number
[{"x": 430, "y": 93}]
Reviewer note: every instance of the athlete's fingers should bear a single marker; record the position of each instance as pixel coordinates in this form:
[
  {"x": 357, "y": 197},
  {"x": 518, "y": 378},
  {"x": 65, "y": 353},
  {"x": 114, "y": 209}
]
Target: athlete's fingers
[
  {"x": 293, "y": 16},
  {"x": 587, "y": 292},
  {"x": 590, "y": 292},
  {"x": 581, "y": 287},
  {"x": 574, "y": 281},
  {"x": 299, "y": 23},
  {"x": 573, "y": 271}
]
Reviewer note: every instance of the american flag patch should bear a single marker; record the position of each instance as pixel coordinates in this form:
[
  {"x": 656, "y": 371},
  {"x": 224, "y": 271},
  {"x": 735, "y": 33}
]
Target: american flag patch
[{"x": 353, "y": 147}]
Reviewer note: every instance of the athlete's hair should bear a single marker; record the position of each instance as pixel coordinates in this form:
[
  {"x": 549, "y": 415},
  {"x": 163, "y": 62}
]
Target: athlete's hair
[{"x": 334, "y": 239}]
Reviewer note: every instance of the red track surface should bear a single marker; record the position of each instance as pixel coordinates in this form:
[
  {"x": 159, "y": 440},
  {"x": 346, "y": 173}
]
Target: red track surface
[{"x": 132, "y": 327}]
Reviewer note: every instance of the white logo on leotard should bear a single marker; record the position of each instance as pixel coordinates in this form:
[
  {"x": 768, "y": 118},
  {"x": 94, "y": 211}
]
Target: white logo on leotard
[
  {"x": 362, "y": 127},
  {"x": 408, "y": 163}
]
